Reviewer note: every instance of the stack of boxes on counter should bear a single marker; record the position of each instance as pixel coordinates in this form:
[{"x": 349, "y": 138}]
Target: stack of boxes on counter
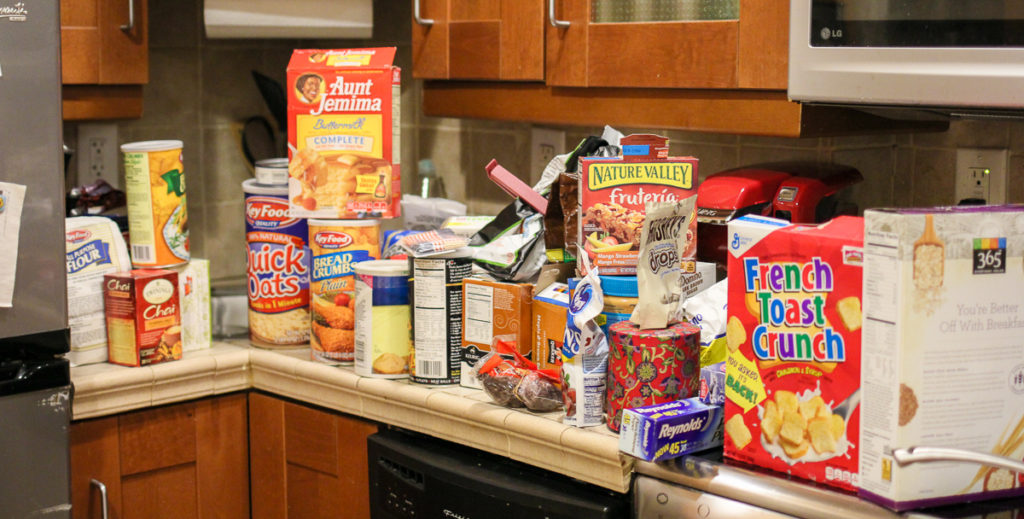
[{"x": 156, "y": 305}]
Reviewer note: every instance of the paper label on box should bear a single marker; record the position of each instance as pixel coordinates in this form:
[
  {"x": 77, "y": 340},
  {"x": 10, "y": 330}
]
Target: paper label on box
[{"x": 479, "y": 313}]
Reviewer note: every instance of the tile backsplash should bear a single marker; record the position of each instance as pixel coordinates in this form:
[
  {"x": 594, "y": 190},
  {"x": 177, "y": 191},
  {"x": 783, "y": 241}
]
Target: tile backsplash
[{"x": 202, "y": 91}]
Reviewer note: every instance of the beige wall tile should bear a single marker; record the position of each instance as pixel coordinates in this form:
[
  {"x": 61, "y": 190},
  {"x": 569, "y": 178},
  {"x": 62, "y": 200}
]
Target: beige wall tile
[
  {"x": 175, "y": 23},
  {"x": 875, "y": 165},
  {"x": 445, "y": 148},
  {"x": 684, "y": 137},
  {"x": 749, "y": 154},
  {"x": 712, "y": 157},
  {"x": 172, "y": 96},
  {"x": 1017, "y": 136},
  {"x": 225, "y": 245},
  {"x": 229, "y": 92},
  {"x": 967, "y": 134},
  {"x": 903, "y": 178},
  {"x": 780, "y": 142},
  {"x": 511, "y": 150},
  {"x": 1015, "y": 180},
  {"x": 224, "y": 167},
  {"x": 860, "y": 141},
  {"x": 933, "y": 177}
]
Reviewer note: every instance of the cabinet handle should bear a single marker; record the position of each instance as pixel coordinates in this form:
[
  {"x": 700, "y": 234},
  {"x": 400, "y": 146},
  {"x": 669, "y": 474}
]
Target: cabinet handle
[
  {"x": 103, "y": 495},
  {"x": 551, "y": 16},
  {"x": 131, "y": 23},
  {"x": 416, "y": 14}
]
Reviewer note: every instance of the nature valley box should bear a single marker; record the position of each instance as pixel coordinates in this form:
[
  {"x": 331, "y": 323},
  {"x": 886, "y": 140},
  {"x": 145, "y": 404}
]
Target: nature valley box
[
  {"x": 344, "y": 133},
  {"x": 613, "y": 193},
  {"x": 793, "y": 339}
]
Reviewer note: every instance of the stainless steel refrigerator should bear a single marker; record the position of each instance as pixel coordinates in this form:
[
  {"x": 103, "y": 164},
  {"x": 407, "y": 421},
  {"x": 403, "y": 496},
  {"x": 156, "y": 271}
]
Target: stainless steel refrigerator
[{"x": 34, "y": 375}]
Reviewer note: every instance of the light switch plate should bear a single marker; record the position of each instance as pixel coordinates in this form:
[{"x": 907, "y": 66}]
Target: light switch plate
[
  {"x": 981, "y": 174},
  {"x": 545, "y": 144}
]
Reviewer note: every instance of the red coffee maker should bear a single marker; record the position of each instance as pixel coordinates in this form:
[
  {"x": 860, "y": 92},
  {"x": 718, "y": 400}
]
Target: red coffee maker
[{"x": 801, "y": 192}]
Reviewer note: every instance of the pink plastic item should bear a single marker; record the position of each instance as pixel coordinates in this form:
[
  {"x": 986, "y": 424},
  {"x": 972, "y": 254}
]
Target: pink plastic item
[{"x": 515, "y": 187}]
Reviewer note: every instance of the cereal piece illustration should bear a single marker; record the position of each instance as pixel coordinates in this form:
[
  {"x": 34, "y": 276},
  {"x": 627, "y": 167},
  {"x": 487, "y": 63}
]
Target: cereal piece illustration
[
  {"x": 929, "y": 257},
  {"x": 820, "y": 433},
  {"x": 793, "y": 427},
  {"x": 908, "y": 404},
  {"x": 738, "y": 431},
  {"x": 798, "y": 450},
  {"x": 837, "y": 426},
  {"x": 786, "y": 401},
  {"x": 735, "y": 335},
  {"x": 814, "y": 408},
  {"x": 850, "y": 312}
]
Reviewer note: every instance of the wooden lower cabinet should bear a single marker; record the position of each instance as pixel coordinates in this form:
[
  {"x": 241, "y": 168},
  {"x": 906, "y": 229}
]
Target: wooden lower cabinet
[
  {"x": 181, "y": 461},
  {"x": 305, "y": 462}
]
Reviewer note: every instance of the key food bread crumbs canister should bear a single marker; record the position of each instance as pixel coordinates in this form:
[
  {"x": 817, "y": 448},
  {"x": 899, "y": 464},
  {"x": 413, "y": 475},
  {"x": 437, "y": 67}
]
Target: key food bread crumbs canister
[
  {"x": 157, "y": 216},
  {"x": 383, "y": 344},
  {"x": 336, "y": 246},
  {"x": 651, "y": 366},
  {"x": 436, "y": 288},
  {"x": 277, "y": 262}
]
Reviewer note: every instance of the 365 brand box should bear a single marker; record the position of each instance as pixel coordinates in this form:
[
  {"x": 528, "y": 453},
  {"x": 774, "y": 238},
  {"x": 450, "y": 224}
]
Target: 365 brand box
[
  {"x": 792, "y": 380},
  {"x": 344, "y": 133},
  {"x": 943, "y": 358},
  {"x": 662, "y": 431}
]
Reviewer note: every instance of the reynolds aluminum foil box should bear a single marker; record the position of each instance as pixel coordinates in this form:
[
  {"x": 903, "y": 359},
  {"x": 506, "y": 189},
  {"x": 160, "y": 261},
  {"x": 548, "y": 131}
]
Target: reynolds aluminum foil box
[
  {"x": 712, "y": 384},
  {"x": 662, "y": 431}
]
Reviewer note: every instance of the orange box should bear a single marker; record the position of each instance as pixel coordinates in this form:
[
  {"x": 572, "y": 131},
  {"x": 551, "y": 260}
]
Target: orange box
[
  {"x": 613, "y": 195},
  {"x": 143, "y": 316},
  {"x": 493, "y": 309},
  {"x": 549, "y": 317},
  {"x": 344, "y": 133}
]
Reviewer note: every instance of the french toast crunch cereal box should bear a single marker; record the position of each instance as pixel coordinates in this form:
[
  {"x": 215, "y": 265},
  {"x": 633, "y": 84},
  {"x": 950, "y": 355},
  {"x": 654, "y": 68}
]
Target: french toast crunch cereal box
[
  {"x": 792, "y": 381},
  {"x": 344, "y": 133},
  {"x": 943, "y": 353}
]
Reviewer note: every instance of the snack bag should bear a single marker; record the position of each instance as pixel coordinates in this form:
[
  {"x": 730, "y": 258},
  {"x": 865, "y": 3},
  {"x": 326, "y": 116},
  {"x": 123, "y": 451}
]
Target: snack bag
[
  {"x": 707, "y": 311},
  {"x": 584, "y": 354},
  {"x": 517, "y": 382},
  {"x": 668, "y": 248}
]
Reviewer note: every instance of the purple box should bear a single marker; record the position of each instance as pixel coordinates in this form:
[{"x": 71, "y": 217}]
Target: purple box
[
  {"x": 663, "y": 431},
  {"x": 712, "y": 384}
]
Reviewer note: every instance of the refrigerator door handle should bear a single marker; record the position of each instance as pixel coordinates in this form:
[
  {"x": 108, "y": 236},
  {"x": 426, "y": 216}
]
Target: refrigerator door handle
[
  {"x": 103, "y": 495},
  {"x": 131, "y": 18}
]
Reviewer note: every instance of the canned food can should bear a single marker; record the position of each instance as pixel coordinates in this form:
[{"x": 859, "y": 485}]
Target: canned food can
[
  {"x": 157, "y": 215},
  {"x": 383, "y": 345},
  {"x": 335, "y": 247},
  {"x": 273, "y": 172},
  {"x": 277, "y": 267},
  {"x": 436, "y": 289}
]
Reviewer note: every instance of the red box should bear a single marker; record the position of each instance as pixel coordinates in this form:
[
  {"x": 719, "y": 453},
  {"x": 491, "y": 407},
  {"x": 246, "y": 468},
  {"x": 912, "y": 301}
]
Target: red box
[
  {"x": 794, "y": 347},
  {"x": 344, "y": 133},
  {"x": 143, "y": 316}
]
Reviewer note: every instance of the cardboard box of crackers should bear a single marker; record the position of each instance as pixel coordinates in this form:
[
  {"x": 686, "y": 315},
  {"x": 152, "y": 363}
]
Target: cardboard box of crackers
[{"x": 792, "y": 380}]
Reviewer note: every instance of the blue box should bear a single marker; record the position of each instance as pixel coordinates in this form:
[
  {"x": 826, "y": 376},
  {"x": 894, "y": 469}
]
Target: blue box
[
  {"x": 662, "y": 431},
  {"x": 712, "y": 384}
]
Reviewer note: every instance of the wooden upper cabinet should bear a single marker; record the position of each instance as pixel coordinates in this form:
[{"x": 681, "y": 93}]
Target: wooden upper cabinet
[
  {"x": 747, "y": 52},
  {"x": 95, "y": 50},
  {"x": 479, "y": 39}
]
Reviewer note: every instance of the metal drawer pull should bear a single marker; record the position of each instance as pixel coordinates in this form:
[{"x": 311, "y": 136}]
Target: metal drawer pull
[
  {"x": 131, "y": 23},
  {"x": 416, "y": 14},
  {"x": 919, "y": 454},
  {"x": 551, "y": 16},
  {"x": 103, "y": 494}
]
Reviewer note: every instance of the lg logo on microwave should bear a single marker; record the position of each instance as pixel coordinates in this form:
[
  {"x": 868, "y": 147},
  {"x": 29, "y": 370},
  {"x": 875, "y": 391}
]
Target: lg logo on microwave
[{"x": 827, "y": 33}]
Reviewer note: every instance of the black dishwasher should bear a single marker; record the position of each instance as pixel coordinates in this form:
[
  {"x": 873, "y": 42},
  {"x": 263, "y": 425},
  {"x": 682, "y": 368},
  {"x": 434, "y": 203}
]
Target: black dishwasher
[{"x": 413, "y": 475}]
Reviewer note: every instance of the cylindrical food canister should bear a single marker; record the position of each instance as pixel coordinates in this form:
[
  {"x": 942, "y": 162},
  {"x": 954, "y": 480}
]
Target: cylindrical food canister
[
  {"x": 436, "y": 288},
  {"x": 648, "y": 367},
  {"x": 336, "y": 246},
  {"x": 383, "y": 344},
  {"x": 620, "y": 297},
  {"x": 277, "y": 266},
  {"x": 155, "y": 189}
]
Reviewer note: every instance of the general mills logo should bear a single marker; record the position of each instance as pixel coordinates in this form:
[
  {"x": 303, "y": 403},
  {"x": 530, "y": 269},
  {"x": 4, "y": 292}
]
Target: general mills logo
[{"x": 735, "y": 243}]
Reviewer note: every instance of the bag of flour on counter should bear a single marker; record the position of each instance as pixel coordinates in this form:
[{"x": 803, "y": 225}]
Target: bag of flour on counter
[
  {"x": 668, "y": 246},
  {"x": 708, "y": 311},
  {"x": 94, "y": 247},
  {"x": 584, "y": 354}
]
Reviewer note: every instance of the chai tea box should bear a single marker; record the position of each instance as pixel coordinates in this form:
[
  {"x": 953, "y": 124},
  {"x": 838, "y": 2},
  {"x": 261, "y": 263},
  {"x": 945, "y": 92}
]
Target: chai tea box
[
  {"x": 344, "y": 133},
  {"x": 943, "y": 346},
  {"x": 793, "y": 365}
]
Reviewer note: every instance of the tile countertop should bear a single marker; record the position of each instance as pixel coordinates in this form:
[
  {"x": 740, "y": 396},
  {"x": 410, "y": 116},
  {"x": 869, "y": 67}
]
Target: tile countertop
[{"x": 458, "y": 414}]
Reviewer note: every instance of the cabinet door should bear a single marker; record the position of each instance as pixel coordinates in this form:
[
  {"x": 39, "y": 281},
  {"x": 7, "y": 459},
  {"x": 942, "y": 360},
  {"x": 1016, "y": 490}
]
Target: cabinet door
[
  {"x": 79, "y": 41},
  {"x": 480, "y": 39},
  {"x": 95, "y": 50},
  {"x": 617, "y": 44},
  {"x": 306, "y": 463},
  {"x": 182, "y": 461}
]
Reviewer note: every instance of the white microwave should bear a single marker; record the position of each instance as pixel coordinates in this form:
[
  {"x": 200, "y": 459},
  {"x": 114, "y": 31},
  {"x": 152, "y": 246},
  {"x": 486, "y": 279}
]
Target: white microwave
[{"x": 956, "y": 55}]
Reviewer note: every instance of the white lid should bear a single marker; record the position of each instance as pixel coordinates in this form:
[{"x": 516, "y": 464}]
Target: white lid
[
  {"x": 464, "y": 252},
  {"x": 151, "y": 146},
  {"x": 272, "y": 171},
  {"x": 255, "y": 187},
  {"x": 342, "y": 223},
  {"x": 385, "y": 267}
]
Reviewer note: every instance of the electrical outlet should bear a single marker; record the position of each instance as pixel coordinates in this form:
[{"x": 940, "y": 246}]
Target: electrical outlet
[
  {"x": 545, "y": 144},
  {"x": 981, "y": 174},
  {"x": 98, "y": 154}
]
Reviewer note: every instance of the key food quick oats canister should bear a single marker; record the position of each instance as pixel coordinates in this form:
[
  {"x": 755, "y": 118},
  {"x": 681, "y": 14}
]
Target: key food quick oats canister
[
  {"x": 383, "y": 342},
  {"x": 436, "y": 289},
  {"x": 155, "y": 189},
  {"x": 336, "y": 246},
  {"x": 277, "y": 264}
]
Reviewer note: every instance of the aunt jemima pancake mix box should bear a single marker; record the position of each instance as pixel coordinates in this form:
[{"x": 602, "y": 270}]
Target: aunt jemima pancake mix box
[
  {"x": 943, "y": 353},
  {"x": 613, "y": 193},
  {"x": 792, "y": 379},
  {"x": 343, "y": 133}
]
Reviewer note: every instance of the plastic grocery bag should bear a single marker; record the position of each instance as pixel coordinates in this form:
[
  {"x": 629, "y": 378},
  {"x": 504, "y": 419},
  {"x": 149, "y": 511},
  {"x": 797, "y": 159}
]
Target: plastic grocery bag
[{"x": 584, "y": 354}]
